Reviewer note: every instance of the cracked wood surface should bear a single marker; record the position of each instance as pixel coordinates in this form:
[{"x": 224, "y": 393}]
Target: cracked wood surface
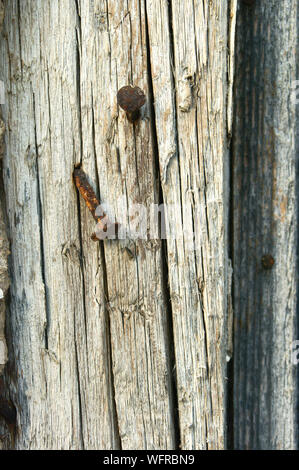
[
  {"x": 109, "y": 350},
  {"x": 190, "y": 89}
]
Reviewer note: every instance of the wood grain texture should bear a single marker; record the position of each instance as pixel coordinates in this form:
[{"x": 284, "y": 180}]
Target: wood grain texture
[
  {"x": 4, "y": 252},
  {"x": 4, "y": 245},
  {"x": 265, "y": 222},
  {"x": 190, "y": 91},
  {"x": 60, "y": 379},
  {"x": 113, "y": 53},
  {"x": 119, "y": 344}
]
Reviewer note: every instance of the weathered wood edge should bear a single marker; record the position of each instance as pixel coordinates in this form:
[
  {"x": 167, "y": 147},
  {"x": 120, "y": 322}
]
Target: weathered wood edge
[{"x": 265, "y": 154}]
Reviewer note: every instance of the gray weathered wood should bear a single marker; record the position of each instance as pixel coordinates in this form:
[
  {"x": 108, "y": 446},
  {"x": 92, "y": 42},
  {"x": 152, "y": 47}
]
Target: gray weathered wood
[
  {"x": 190, "y": 92},
  {"x": 90, "y": 326},
  {"x": 59, "y": 379},
  {"x": 123, "y": 344},
  {"x": 112, "y": 46},
  {"x": 4, "y": 247},
  {"x": 265, "y": 221}
]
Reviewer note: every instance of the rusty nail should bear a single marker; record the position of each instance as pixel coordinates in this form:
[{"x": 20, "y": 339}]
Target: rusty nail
[
  {"x": 268, "y": 261},
  {"x": 86, "y": 191},
  {"x": 92, "y": 203},
  {"x": 94, "y": 237},
  {"x": 131, "y": 99}
]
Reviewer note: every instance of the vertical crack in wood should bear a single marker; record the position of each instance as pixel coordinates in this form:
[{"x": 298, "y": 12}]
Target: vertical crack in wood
[
  {"x": 231, "y": 21},
  {"x": 116, "y": 429},
  {"x": 78, "y": 64},
  {"x": 172, "y": 67},
  {"x": 79, "y": 387},
  {"x": 85, "y": 325},
  {"x": 165, "y": 276},
  {"x": 115, "y": 437},
  {"x": 93, "y": 136},
  {"x": 115, "y": 432},
  {"x": 177, "y": 139},
  {"x": 230, "y": 366},
  {"x": 41, "y": 230}
]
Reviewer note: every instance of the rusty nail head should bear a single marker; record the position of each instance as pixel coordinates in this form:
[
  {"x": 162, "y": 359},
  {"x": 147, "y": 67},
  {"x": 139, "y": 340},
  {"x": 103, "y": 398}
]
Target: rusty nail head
[
  {"x": 131, "y": 99},
  {"x": 89, "y": 196},
  {"x": 268, "y": 261}
]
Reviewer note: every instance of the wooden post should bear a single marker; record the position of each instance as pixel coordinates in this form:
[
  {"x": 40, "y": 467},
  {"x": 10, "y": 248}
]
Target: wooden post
[
  {"x": 265, "y": 221},
  {"x": 110, "y": 350},
  {"x": 123, "y": 344}
]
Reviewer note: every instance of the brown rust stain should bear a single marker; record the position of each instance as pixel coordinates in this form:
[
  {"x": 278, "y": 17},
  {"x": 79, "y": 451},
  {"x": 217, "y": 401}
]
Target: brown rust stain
[
  {"x": 86, "y": 191},
  {"x": 93, "y": 203}
]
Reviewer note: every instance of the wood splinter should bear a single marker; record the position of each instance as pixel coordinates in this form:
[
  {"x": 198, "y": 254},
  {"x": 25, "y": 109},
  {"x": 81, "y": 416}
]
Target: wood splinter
[{"x": 105, "y": 229}]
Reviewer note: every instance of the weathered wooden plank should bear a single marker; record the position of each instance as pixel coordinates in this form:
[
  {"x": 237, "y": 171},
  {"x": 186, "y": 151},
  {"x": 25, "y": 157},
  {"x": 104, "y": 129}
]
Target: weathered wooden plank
[
  {"x": 59, "y": 372},
  {"x": 188, "y": 46},
  {"x": 113, "y": 54},
  {"x": 265, "y": 222},
  {"x": 63, "y": 63}
]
